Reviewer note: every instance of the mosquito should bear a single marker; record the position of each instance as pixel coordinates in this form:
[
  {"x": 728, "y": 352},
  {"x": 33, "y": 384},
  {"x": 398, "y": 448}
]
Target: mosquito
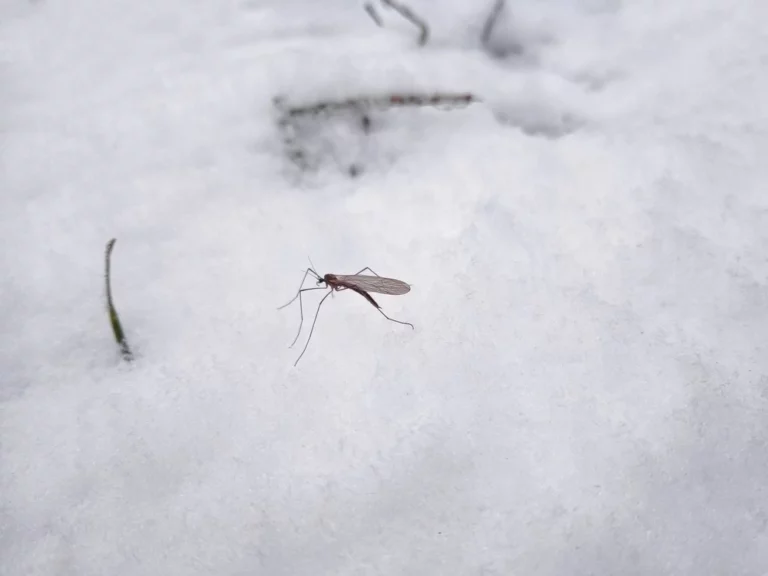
[{"x": 360, "y": 283}]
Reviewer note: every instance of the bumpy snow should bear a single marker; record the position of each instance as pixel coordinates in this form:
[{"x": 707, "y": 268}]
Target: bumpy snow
[{"x": 585, "y": 388}]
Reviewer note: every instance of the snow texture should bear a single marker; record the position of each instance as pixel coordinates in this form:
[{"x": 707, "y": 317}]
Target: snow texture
[{"x": 585, "y": 389}]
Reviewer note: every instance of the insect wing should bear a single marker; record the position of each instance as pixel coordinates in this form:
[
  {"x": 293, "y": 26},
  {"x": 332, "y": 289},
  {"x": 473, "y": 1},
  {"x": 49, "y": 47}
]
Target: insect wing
[{"x": 376, "y": 284}]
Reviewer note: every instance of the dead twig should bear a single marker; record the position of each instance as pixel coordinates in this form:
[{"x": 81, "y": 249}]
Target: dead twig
[
  {"x": 293, "y": 119},
  {"x": 490, "y": 22},
  {"x": 371, "y": 10},
  {"x": 114, "y": 320},
  {"x": 288, "y": 132},
  {"x": 409, "y": 15},
  {"x": 382, "y": 102}
]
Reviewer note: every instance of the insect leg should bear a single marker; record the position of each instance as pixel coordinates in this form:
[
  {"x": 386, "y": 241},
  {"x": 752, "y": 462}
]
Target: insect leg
[
  {"x": 392, "y": 319},
  {"x": 373, "y": 302},
  {"x": 368, "y": 268},
  {"x": 313, "y": 327},
  {"x": 301, "y": 304},
  {"x": 364, "y": 269},
  {"x": 301, "y": 310},
  {"x": 306, "y": 272}
]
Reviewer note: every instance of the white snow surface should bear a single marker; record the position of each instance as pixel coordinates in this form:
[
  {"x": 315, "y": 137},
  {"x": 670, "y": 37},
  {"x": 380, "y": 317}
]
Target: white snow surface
[{"x": 585, "y": 388}]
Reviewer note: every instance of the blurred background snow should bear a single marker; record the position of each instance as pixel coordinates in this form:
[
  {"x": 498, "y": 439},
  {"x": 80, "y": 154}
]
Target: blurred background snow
[{"x": 585, "y": 390}]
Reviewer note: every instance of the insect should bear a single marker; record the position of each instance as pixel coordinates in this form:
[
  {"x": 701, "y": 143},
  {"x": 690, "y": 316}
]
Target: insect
[{"x": 360, "y": 283}]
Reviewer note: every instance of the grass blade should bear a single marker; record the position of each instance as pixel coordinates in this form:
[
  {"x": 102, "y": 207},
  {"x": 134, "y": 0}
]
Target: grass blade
[{"x": 114, "y": 320}]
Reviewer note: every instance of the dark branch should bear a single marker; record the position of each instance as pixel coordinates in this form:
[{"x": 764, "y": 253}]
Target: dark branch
[
  {"x": 490, "y": 22},
  {"x": 386, "y": 101},
  {"x": 291, "y": 117},
  {"x": 373, "y": 14},
  {"x": 409, "y": 15}
]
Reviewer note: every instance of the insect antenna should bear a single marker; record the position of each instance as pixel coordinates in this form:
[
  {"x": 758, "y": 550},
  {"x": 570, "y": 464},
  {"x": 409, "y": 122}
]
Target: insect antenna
[{"x": 313, "y": 267}]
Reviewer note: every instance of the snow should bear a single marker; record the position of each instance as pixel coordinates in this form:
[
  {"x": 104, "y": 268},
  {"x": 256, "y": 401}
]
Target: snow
[{"x": 584, "y": 392}]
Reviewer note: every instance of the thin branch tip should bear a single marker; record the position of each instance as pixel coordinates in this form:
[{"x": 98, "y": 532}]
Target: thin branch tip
[
  {"x": 490, "y": 22},
  {"x": 371, "y": 10},
  {"x": 411, "y": 16}
]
